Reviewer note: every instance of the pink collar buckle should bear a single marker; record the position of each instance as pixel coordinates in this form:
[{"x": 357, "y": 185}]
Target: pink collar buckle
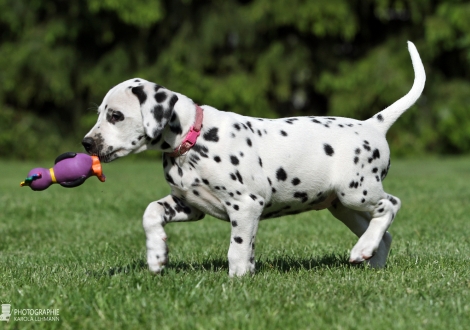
[
  {"x": 190, "y": 138},
  {"x": 188, "y": 141}
]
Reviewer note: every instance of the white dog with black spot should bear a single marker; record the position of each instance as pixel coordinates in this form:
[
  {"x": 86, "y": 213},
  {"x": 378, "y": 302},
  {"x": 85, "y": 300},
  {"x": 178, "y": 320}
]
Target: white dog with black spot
[{"x": 243, "y": 169}]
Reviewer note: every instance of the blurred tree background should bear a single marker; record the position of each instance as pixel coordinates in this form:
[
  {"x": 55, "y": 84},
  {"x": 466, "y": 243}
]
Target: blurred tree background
[{"x": 268, "y": 58}]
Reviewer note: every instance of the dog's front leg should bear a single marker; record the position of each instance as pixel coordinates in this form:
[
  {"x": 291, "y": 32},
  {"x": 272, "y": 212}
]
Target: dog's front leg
[
  {"x": 244, "y": 219},
  {"x": 156, "y": 216}
]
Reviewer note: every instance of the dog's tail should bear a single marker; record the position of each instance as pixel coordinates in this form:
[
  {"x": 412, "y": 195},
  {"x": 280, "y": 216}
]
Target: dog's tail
[{"x": 385, "y": 118}]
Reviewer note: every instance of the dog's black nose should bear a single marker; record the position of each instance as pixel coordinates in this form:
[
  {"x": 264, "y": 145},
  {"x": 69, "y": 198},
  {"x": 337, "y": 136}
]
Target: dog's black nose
[{"x": 89, "y": 144}]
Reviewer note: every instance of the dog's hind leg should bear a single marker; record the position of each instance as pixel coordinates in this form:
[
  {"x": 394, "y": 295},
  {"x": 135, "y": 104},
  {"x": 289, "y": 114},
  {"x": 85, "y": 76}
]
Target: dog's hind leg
[
  {"x": 156, "y": 216},
  {"x": 358, "y": 223}
]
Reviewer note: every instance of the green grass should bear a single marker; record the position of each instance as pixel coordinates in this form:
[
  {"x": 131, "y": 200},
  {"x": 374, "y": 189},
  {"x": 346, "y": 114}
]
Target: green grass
[{"x": 82, "y": 251}]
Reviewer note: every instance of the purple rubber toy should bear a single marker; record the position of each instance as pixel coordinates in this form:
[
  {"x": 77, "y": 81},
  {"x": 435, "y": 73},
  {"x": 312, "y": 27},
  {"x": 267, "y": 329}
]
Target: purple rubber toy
[{"x": 70, "y": 170}]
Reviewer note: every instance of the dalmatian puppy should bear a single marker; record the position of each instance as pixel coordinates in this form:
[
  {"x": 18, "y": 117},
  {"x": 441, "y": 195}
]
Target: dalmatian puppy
[{"x": 242, "y": 169}]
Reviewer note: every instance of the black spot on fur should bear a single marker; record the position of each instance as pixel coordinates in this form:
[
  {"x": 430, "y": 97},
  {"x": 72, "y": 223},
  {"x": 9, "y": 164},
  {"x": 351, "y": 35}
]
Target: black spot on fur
[
  {"x": 248, "y": 141},
  {"x": 176, "y": 129},
  {"x": 380, "y": 118},
  {"x": 295, "y": 181},
  {"x": 173, "y": 101},
  {"x": 376, "y": 154},
  {"x": 238, "y": 239},
  {"x": 253, "y": 197},
  {"x": 239, "y": 177},
  {"x": 283, "y": 133},
  {"x": 236, "y": 207},
  {"x": 234, "y": 223},
  {"x": 211, "y": 135},
  {"x": 160, "y": 97},
  {"x": 217, "y": 159},
  {"x": 281, "y": 175},
  {"x": 356, "y": 160},
  {"x": 393, "y": 200},
  {"x": 260, "y": 162},
  {"x": 139, "y": 92},
  {"x": 201, "y": 150},
  {"x": 383, "y": 174},
  {"x": 249, "y": 125},
  {"x": 301, "y": 195},
  {"x": 234, "y": 160},
  {"x": 328, "y": 149},
  {"x": 169, "y": 179},
  {"x": 237, "y": 127}
]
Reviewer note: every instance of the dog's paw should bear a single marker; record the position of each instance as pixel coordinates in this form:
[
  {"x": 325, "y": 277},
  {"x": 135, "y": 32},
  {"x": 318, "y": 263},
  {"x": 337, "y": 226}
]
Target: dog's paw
[
  {"x": 157, "y": 261},
  {"x": 239, "y": 270},
  {"x": 375, "y": 254},
  {"x": 362, "y": 251}
]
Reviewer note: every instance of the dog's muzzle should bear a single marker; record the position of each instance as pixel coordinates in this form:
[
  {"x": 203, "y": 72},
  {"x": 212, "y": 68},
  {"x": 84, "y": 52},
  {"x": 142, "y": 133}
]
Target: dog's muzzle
[{"x": 89, "y": 145}]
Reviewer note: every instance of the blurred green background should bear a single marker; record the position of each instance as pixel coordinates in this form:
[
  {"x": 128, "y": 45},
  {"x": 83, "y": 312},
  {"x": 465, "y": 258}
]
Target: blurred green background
[{"x": 268, "y": 58}]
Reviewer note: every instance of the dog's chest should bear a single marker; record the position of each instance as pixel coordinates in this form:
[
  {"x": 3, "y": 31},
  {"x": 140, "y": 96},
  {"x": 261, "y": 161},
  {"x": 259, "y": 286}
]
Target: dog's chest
[{"x": 193, "y": 186}]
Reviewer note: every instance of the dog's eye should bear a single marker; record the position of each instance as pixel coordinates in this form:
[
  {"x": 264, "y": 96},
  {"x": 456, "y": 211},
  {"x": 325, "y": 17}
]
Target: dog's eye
[
  {"x": 114, "y": 116},
  {"x": 118, "y": 116}
]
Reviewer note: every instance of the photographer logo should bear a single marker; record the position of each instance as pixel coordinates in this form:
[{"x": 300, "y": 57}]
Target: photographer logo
[{"x": 29, "y": 314}]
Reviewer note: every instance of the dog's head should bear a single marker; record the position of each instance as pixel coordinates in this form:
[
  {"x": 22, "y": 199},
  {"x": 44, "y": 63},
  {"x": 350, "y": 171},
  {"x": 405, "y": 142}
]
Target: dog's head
[{"x": 131, "y": 118}]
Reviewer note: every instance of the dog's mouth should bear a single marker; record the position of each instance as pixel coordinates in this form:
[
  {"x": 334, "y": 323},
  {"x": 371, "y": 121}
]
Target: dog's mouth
[{"x": 110, "y": 156}]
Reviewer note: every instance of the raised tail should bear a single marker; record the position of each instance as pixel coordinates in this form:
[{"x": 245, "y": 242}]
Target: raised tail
[{"x": 385, "y": 118}]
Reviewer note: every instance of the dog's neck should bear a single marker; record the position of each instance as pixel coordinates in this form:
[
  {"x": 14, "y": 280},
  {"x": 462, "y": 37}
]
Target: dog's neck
[{"x": 183, "y": 118}]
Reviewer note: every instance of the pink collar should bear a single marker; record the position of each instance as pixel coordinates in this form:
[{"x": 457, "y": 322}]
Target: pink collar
[{"x": 190, "y": 139}]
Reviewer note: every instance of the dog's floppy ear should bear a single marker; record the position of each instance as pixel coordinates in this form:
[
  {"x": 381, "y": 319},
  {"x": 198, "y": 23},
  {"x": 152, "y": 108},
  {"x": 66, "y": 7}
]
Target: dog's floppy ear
[{"x": 156, "y": 105}]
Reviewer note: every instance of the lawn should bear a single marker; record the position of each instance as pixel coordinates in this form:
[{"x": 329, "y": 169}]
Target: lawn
[{"x": 82, "y": 251}]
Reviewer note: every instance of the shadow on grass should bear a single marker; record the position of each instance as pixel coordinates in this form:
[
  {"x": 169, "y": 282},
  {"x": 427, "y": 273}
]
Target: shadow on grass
[
  {"x": 288, "y": 263},
  {"x": 136, "y": 266},
  {"x": 283, "y": 264}
]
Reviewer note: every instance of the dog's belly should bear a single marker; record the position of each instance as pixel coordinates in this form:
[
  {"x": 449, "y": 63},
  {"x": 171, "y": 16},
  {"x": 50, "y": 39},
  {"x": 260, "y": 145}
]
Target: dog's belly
[
  {"x": 295, "y": 206},
  {"x": 209, "y": 203}
]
